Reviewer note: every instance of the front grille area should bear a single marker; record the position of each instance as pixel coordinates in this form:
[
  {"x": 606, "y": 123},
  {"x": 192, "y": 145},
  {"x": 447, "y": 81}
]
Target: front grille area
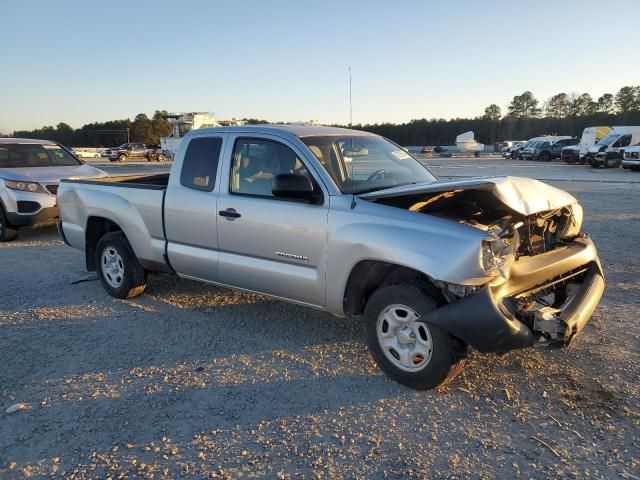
[
  {"x": 53, "y": 189},
  {"x": 28, "y": 207}
]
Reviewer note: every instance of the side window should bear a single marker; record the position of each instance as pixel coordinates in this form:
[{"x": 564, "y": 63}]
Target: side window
[
  {"x": 623, "y": 141},
  {"x": 200, "y": 163},
  {"x": 257, "y": 162}
]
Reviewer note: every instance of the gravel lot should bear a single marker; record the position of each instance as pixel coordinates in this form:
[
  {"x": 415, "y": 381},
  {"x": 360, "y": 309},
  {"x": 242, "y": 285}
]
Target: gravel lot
[{"x": 197, "y": 381}]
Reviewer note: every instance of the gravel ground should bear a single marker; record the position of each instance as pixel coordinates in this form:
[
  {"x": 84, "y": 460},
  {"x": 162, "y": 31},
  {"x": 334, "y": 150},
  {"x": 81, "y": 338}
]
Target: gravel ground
[{"x": 197, "y": 381}]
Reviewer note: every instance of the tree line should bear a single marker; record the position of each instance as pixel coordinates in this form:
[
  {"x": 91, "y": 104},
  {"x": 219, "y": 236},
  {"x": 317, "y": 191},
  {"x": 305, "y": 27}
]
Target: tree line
[
  {"x": 105, "y": 134},
  {"x": 526, "y": 117}
]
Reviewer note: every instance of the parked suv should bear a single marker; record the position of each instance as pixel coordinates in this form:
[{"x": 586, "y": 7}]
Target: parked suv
[
  {"x": 30, "y": 171},
  {"x": 547, "y": 150}
]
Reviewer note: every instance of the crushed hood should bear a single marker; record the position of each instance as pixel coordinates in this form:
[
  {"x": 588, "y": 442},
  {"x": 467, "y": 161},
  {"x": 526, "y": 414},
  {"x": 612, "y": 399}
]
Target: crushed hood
[{"x": 523, "y": 195}]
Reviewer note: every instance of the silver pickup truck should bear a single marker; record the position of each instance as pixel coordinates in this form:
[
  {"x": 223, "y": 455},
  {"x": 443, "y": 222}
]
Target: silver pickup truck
[{"x": 350, "y": 223}]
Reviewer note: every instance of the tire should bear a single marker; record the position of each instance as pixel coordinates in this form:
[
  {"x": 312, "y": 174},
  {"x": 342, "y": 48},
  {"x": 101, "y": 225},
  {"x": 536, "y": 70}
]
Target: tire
[
  {"x": 122, "y": 157},
  {"x": 612, "y": 162},
  {"x": 634, "y": 168},
  {"x": 162, "y": 158},
  {"x": 444, "y": 356},
  {"x": 545, "y": 157},
  {"x": 124, "y": 277},
  {"x": 7, "y": 232}
]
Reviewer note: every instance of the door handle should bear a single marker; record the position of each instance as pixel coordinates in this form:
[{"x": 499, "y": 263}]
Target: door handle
[{"x": 229, "y": 213}]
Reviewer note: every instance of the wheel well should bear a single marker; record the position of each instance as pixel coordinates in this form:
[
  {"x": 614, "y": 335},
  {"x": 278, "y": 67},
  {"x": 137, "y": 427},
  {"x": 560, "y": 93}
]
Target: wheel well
[
  {"x": 368, "y": 275},
  {"x": 97, "y": 227}
]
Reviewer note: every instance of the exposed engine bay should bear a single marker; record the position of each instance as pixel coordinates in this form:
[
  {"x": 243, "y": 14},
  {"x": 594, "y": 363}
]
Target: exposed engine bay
[
  {"x": 512, "y": 235},
  {"x": 525, "y": 234}
]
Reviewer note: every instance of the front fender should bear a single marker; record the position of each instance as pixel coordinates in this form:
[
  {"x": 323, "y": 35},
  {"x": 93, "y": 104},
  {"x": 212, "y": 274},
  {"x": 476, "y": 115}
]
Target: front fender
[{"x": 440, "y": 249}]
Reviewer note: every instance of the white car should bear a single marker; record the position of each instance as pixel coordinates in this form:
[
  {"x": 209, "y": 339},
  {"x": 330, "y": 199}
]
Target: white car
[{"x": 85, "y": 154}]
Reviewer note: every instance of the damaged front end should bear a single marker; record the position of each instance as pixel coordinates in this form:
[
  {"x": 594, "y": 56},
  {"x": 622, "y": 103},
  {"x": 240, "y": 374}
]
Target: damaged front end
[{"x": 544, "y": 277}]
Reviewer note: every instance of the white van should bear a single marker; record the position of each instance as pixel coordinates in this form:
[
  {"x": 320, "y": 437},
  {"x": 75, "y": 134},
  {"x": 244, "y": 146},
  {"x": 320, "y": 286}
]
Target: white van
[
  {"x": 609, "y": 151},
  {"x": 590, "y": 137}
]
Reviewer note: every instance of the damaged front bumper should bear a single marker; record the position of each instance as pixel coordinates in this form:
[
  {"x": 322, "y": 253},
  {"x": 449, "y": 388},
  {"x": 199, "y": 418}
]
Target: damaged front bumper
[{"x": 494, "y": 320}]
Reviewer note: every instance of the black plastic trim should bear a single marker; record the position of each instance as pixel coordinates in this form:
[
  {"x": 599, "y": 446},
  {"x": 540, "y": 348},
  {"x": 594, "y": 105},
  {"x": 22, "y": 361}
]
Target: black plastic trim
[{"x": 46, "y": 216}]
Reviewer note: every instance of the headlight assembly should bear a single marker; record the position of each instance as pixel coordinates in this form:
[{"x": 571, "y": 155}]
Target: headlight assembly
[
  {"x": 25, "y": 186},
  {"x": 573, "y": 223},
  {"x": 497, "y": 256}
]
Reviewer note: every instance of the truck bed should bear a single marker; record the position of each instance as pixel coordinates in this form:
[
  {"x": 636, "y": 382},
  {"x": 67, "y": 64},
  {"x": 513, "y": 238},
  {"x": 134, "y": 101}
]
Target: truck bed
[{"x": 133, "y": 203}]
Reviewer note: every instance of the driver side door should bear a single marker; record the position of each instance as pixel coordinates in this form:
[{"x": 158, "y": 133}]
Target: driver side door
[{"x": 268, "y": 244}]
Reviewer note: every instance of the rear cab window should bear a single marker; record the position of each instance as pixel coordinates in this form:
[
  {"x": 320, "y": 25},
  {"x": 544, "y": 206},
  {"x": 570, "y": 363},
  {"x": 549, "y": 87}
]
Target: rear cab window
[{"x": 200, "y": 164}]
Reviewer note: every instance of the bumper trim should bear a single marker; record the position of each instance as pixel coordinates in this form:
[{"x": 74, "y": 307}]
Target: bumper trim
[{"x": 46, "y": 216}]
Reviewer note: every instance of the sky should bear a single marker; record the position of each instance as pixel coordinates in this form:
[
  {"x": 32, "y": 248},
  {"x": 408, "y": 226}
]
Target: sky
[{"x": 80, "y": 61}]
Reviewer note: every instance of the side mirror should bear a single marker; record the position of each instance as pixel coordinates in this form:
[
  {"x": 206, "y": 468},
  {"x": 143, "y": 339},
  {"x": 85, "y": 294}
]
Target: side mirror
[{"x": 296, "y": 187}]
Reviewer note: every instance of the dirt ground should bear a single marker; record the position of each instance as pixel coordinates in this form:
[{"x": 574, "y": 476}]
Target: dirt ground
[{"x": 197, "y": 381}]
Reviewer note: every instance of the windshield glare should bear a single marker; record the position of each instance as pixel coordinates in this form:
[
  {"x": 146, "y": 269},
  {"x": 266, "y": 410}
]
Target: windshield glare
[
  {"x": 360, "y": 164},
  {"x": 609, "y": 139},
  {"x": 21, "y": 155}
]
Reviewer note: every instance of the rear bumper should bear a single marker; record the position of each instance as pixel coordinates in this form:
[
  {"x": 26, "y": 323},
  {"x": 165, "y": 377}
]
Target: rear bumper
[
  {"x": 490, "y": 320},
  {"x": 570, "y": 157}
]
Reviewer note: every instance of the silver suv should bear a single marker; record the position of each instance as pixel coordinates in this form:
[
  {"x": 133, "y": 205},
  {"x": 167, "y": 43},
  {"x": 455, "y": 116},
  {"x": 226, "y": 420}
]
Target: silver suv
[{"x": 30, "y": 171}]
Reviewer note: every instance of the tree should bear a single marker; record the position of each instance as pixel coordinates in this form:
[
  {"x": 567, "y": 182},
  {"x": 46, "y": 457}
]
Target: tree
[
  {"x": 558, "y": 106},
  {"x": 605, "y": 103},
  {"x": 524, "y": 106},
  {"x": 627, "y": 99},
  {"x": 581, "y": 105},
  {"x": 492, "y": 112}
]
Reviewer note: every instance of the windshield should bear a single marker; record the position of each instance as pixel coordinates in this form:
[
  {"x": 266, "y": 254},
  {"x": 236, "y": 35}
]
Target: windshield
[
  {"x": 609, "y": 139},
  {"x": 360, "y": 164},
  {"x": 22, "y": 155}
]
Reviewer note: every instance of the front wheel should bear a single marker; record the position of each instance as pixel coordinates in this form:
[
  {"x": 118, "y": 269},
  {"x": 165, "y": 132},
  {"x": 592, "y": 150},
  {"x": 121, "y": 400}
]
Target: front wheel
[
  {"x": 409, "y": 350},
  {"x": 7, "y": 232},
  {"x": 161, "y": 157},
  {"x": 545, "y": 157},
  {"x": 119, "y": 270},
  {"x": 612, "y": 162},
  {"x": 122, "y": 157}
]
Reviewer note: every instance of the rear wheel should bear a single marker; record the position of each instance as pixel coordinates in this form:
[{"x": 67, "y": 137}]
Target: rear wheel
[
  {"x": 409, "y": 350},
  {"x": 119, "y": 270},
  {"x": 545, "y": 157},
  {"x": 7, "y": 232}
]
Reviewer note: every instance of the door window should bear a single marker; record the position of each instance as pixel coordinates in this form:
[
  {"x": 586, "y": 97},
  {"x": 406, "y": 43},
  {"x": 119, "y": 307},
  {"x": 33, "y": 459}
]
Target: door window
[
  {"x": 257, "y": 162},
  {"x": 201, "y": 163},
  {"x": 623, "y": 141}
]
